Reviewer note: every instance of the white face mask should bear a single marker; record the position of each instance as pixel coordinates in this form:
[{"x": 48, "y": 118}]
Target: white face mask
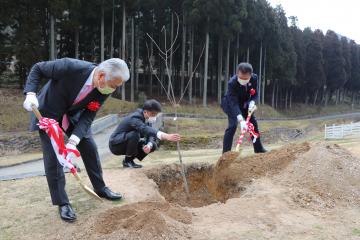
[
  {"x": 152, "y": 119},
  {"x": 105, "y": 90},
  {"x": 243, "y": 82}
]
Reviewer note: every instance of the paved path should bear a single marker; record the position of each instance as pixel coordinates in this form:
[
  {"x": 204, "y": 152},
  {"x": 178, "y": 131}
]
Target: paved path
[{"x": 36, "y": 168}]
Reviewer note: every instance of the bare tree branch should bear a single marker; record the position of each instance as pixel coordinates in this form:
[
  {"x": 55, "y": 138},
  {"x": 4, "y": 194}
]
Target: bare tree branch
[
  {"x": 157, "y": 46},
  {"x": 192, "y": 75},
  {"x": 177, "y": 33},
  {"x": 156, "y": 76}
]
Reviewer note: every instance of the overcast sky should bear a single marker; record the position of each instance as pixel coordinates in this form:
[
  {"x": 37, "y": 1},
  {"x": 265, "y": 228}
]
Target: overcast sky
[{"x": 342, "y": 16}]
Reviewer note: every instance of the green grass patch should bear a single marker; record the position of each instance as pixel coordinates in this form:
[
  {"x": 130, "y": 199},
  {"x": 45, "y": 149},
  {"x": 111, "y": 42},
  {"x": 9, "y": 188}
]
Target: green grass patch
[
  {"x": 356, "y": 231},
  {"x": 195, "y": 141}
]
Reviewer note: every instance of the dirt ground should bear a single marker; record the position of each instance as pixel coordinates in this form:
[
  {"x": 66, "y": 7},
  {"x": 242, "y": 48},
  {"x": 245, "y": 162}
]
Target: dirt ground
[{"x": 300, "y": 191}]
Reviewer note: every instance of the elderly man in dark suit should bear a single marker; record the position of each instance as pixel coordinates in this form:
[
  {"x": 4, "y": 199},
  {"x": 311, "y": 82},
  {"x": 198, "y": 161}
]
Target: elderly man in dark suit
[
  {"x": 238, "y": 100},
  {"x": 72, "y": 86},
  {"x": 136, "y": 138}
]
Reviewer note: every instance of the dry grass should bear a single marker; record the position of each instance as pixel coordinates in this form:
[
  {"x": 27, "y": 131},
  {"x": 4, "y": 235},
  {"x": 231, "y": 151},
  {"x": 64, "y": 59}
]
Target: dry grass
[
  {"x": 12, "y": 115},
  {"x": 113, "y": 105}
]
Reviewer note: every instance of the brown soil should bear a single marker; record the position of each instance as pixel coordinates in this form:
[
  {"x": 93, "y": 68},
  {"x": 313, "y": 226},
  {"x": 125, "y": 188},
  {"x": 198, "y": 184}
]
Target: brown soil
[
  {"x": 227, "y": 179},
  {"x": 324, "y": 176},
  {"x": 301, "y": 191},
  {"x": 142, "y": 220}
]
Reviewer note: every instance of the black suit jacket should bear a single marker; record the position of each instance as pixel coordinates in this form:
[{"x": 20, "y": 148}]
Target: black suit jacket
[
  {"x": 134, "y": 122},
  {"x": 66, "y": 77},
  {"x": 237, "y": 97}
]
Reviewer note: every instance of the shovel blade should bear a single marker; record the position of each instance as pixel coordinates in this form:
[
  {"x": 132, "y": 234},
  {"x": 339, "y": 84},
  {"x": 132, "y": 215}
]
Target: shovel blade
[{"x": 86, "y": 188}]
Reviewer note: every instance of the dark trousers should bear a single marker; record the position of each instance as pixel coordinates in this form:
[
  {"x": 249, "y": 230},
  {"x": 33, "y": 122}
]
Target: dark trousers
[
  {"x": 54, "y": 171},
  {"x": 132, "y": 146},
  {"x": 231, "y": 129}
]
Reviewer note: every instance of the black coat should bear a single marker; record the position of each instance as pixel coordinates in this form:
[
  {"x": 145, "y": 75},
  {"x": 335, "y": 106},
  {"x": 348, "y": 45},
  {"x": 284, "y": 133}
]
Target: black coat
[
  {"x": 237, "y": 97},
  {"x": 65, "y": 78},
  {"x": 134, "y": 122}
]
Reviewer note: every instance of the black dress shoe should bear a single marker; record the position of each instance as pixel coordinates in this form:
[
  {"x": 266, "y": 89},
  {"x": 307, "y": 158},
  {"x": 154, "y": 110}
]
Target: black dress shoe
[
  {"x": 258, "y": 147},
  {"x": 131, "y": 164},
  {"x": 108, "y": 194},
  {"x": 67, "y": 213},
  {"x": 261, "y": 150}
]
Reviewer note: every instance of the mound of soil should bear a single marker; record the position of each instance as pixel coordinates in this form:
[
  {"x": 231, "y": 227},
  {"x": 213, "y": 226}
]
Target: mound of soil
[
  {"x": 323, "y": 176},
  {"x": 272, "y": 192},
  {"x": 143, "y": 220},
  {"x": 227, "y": 179}
]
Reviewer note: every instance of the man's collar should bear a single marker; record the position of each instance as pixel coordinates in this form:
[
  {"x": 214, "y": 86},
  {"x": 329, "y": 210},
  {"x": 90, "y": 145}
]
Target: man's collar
[{"x": 89, "y": 81}]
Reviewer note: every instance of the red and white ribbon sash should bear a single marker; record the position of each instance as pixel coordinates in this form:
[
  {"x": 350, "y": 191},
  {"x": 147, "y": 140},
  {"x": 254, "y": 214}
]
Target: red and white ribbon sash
[
  {"x": 53, "y": 130},
  {"x": 250, "y": 130}
]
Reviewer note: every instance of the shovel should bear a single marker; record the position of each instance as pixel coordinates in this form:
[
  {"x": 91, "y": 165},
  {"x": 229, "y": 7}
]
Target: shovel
[{"x": 76, "y": 174}]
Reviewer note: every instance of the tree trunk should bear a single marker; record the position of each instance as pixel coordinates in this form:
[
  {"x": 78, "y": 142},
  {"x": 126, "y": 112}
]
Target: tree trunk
[
  {"x": 206, "y": 69},
  {"x": 52, "y": 38},
  {"x": 273, "y": 95},
  {"x": 137, "y": 61},
  {"x": 171, "y": 55},
  {"x": 183, "y": 51},
  {"x": 133, "y": 61},
  {"x": 337, "y": 96},
  {"x": 112, "y": 30},
  {"x": 315, "y": 97},
  {"x": 342, "y": 95},
  {"x": 264, "y": 81},
  {"x": 123, "y": 49},
  {"x": 307, "y": 98},
  {"x": 219, "y": 77},
  {"x": 290, "y": 103},
  {"x": 234, "y": 63},
  {"x": 326, "y": 97},
  {"x": 190, "y": 68},
  {"x": 353, "y": 100},
  {"x": 260, "y": 73},
  {"x": 286, "y": 99},
  {"x": 150, "y": 69},
  {"x": 277, "y": 96},
  {"x": 76, "y": 42},
  {"x": 102, "y": 32},
  {"x": 237, "y": 49},
  {"x": 323, "y": 95},
  {"x": 248, "y": 55},
  {"x": 227, "y": 62}
]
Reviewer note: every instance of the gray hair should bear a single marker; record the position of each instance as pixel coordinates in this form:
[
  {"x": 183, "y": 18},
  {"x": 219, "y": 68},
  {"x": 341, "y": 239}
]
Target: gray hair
[{"x": 114, "y": 68}]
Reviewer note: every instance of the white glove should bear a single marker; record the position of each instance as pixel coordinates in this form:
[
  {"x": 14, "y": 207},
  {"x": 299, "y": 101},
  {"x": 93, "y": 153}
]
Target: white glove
[
  {"x": 30, "y": 100},
  {"x": 72, "y": 142},
  {"x": 252, "y": 106},
  {"x": 71, "y": 156},
  {"x": 243, "y": 125}
]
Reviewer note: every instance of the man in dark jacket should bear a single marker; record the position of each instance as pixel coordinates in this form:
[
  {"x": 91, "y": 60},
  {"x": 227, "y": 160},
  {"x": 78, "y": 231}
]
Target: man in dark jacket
[
  {"x": 238, "y": 101},
  {"x": 74, "y": 92},
  {"x": 135, "y": 138}
]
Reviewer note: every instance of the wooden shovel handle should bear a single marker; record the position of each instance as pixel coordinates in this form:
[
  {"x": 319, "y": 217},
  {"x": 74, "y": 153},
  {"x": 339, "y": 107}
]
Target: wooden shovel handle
[{"x": 36, "y": 111}]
